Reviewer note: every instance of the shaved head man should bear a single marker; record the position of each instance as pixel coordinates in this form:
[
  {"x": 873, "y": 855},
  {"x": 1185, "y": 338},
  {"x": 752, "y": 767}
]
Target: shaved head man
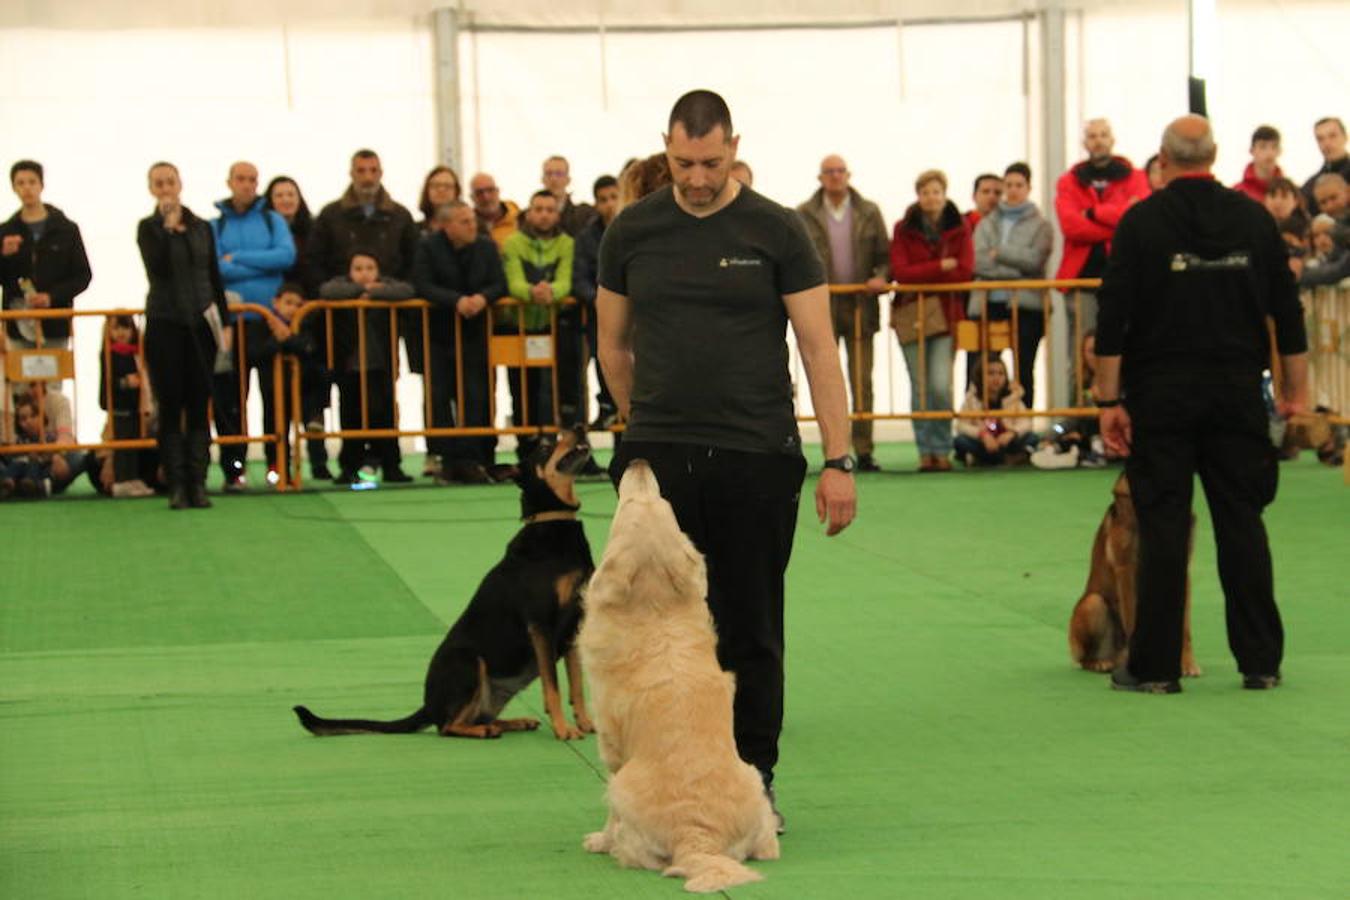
[{"x": 1195, "y": 270}]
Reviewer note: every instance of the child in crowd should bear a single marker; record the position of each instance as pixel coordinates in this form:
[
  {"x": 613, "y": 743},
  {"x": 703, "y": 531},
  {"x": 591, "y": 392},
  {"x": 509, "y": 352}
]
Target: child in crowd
[
  {"x": 993, "y": 440},
  {"x": 363, "y": 281},
  {"x": 314, "y": 378},
  {"x": 1077, "y": 442},
  {"x": 28, "y": 474},
  {"x": 122, "y": 385}
]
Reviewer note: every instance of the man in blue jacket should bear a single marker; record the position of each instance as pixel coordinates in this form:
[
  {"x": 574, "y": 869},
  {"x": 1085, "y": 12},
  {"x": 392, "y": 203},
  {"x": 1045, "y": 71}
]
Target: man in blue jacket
[{"x": 255, "y": 251}]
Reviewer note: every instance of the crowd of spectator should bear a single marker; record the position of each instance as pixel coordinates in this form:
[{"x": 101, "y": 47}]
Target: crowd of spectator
[{"x": 464, "y": 253}]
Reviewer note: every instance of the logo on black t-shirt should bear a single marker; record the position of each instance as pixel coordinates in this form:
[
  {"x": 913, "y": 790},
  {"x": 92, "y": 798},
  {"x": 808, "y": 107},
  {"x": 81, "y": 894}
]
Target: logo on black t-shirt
[{"x": 728, "y": 261}]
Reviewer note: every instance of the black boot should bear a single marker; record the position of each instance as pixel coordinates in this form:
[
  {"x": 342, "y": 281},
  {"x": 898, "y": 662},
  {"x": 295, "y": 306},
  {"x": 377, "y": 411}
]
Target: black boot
[
  {"x": 172, "y": 457},
  {"x": 198, "y": 460}
]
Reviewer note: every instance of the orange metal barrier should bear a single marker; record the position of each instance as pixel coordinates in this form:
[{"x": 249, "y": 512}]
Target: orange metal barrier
[
  {"x": 1329, "y": 333},
  {"x": 56, "y": 364},
  {"x": 981, "y": 334},
  {"x": 522, "y": 350}
]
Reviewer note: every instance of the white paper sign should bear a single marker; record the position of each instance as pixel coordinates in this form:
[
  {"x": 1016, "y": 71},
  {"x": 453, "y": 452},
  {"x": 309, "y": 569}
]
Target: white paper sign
[
  {"x": 39, "y": 367},
  {"x": 539, "y": 346}
]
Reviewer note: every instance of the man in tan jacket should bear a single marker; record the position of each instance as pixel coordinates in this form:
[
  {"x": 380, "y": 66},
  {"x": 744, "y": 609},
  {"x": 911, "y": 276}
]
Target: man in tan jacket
[{"x": 851, "y": 238}]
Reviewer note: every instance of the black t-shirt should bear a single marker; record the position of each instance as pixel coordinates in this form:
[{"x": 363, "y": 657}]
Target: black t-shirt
[{"x": 709, "y": 324}]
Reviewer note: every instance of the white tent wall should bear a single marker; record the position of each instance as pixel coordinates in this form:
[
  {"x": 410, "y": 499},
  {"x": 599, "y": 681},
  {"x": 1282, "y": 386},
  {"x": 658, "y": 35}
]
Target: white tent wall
[
  {"x": 297, "y": 86},
  {"x": 97, "y": 107}
]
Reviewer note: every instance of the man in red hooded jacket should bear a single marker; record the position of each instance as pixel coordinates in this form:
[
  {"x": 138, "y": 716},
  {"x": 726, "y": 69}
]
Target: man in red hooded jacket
[
  {"x": 1090, "y": 198},
  {"x": 1264, "y": 166}
]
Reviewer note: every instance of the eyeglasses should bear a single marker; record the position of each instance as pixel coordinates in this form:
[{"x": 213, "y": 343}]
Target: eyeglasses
[
  {"x": 834, "y": 171},
  {"x": 485, "y": 190}
]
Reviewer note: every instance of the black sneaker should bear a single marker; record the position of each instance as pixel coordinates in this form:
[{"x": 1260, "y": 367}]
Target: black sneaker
[
  {"x": 344, "y": 477},
  {"x": 396, "y": 476},
  {"x": 321, "y": 472},
  {"x": 867, "y": 463},
  {"x": 501, "y": 473},
  {"x": 1122, "y": 680},
  {"x": 773, "y": 805},
  {"x": 1260, "y": 682}
]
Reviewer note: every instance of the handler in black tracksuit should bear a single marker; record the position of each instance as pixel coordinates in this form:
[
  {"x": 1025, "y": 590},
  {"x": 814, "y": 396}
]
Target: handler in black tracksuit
[{"x": 1195, "y": 271}]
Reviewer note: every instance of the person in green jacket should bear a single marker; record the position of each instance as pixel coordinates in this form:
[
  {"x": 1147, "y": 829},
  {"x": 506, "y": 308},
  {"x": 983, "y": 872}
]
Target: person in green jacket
[{"x": 538, "y": 264}]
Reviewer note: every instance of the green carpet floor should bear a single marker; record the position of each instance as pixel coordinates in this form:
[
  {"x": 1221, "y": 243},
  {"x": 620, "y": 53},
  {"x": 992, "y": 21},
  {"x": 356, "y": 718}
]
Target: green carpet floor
[{"x": 938, "y": 743}]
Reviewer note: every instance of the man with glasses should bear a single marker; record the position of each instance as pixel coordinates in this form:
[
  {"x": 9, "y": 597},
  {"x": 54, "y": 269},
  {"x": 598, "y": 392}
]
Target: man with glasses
[{"x": 496, "y": 217}]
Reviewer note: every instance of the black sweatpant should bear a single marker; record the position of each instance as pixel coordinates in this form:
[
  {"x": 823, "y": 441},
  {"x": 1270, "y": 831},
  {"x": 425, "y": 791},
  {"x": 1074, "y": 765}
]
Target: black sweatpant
[
  {"x": 179, "y": 360},
  {"x": 445, "y": 413},
  {"x": 356, "y": 452},
  {"x": 740, "y": 510},
  {"x": 1219, "y": 431}
]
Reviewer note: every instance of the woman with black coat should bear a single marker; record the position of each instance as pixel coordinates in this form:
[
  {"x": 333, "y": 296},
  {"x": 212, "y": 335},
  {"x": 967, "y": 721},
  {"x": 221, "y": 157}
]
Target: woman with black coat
[{"x": 181, "y": 310}]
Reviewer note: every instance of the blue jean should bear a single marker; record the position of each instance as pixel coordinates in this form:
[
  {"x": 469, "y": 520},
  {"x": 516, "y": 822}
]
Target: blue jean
[{"x": 934, "y": 436}]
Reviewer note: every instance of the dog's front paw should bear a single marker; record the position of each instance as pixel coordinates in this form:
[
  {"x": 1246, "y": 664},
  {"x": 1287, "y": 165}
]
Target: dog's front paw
[
  {"x": 584, "y": 722},
  {"x": 596, "y": 842},
  {"x": 1191, "y": 669},
  {"x": 564, "y": 732},
  {"x": 1098, "y": 665}
]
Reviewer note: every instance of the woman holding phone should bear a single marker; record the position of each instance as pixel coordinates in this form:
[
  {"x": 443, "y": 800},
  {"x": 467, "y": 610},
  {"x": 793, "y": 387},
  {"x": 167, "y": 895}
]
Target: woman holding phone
[{"x": 184, "y": 312}]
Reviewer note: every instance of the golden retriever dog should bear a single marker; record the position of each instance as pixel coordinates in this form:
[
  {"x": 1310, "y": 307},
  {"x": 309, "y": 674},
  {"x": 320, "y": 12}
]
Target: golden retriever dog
[
  {"x": 1103, "y": 620},
  {"x": 680, "y": 799}
]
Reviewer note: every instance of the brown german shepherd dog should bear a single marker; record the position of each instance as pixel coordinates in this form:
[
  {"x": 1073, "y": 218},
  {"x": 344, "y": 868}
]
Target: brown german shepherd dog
[{"x": 1103, "y": 620}]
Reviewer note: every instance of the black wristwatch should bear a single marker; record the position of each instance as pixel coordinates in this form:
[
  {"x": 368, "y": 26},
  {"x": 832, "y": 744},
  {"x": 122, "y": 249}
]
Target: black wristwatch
[
  {"x": 843, "y": 463},
  {"x": 1107, "y": 404}
]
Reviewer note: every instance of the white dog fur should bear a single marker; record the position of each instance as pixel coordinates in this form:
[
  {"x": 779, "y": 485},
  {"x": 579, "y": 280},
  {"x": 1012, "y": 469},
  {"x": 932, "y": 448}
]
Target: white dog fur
[{"x": 680, "y": 799}]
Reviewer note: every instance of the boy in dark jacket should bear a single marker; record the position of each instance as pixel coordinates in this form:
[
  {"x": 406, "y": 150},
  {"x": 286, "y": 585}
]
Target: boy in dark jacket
[
  {"x": 363, "y": 282},
  {"x": 302, "y": 343}
]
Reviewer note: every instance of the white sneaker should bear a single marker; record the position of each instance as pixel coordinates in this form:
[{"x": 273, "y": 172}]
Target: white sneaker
[
  {"x": 1047, "y": 458},
  {"x": 132, "y": 488}
]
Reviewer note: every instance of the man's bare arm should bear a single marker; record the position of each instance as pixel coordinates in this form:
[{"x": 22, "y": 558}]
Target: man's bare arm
[
  {"x": 615, "y": 339},
  {"x": 809, "y": 313}
]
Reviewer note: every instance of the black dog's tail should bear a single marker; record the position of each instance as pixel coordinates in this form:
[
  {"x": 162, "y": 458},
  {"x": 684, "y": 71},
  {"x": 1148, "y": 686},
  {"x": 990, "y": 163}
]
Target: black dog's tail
[{"x": 325, "y": 727}]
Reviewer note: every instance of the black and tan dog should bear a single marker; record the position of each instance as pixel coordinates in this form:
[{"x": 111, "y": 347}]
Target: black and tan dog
[
  {"x": 1103, "y": 620},
  {"x": 523, "y": 617}
]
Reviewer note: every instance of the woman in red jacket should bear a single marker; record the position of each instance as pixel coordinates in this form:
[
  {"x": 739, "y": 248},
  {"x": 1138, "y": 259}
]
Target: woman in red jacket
[{"x": 931, "y": 245}]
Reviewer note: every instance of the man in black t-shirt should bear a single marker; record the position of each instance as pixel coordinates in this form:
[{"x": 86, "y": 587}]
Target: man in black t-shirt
[
  {"x": 1195, "y": 271},
  {"x": 697, "y": 285}
]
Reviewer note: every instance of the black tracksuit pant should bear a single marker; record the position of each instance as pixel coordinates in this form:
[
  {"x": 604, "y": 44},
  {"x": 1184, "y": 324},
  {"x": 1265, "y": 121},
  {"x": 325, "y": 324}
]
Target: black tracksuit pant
[
  {"x": 740, "y": 510},
  {"x": 445, "y": 411},
  {"x": 1220, "y": 431}
]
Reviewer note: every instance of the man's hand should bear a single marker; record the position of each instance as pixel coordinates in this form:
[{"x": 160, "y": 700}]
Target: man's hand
[
  {"x": 470, "y": 305},
  {"x": 1117, "y": 433},
  {"x": 40, "y": 300},
  {"x": 541, "y": 292},
  {"x": 280, "y": 330},
  {"x": 878, "y": 285},
  {"x": 948, "y": 263},
  {"x": 11, "y": 244},
  {"x": 1293, "y": 406},
  {"x": 989, "y": 440},
  {"x": 836, "y": 500},
  {"x": 132, "y": 381},
  {"x": 60, "y": 468}
]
